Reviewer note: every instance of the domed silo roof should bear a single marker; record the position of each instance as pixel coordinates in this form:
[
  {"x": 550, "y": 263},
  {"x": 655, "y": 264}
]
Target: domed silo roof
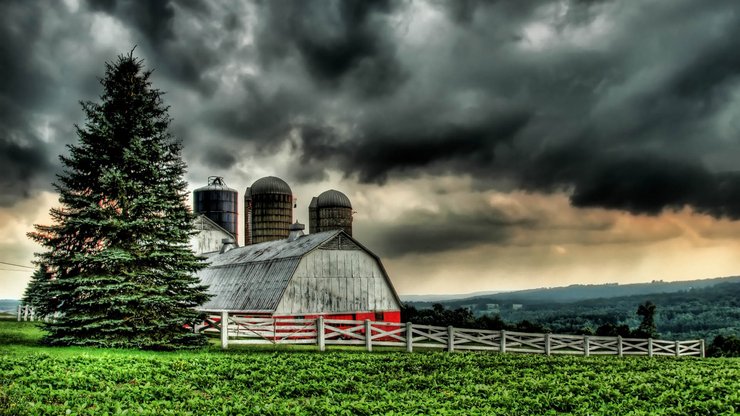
[
  {"x": 270, "y": 185},
  {"x": 333, "y": 198}
]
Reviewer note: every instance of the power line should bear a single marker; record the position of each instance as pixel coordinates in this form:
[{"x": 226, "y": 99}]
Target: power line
[
  {"x": 14, "y": 270},
  {"x": 16, "y": 265}
]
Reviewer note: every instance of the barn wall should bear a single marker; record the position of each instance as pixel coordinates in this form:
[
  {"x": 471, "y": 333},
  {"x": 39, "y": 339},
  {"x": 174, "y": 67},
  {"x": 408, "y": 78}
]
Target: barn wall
[
  {"x": 337, "y": 281},
  {"x": 208, "y": 239}
]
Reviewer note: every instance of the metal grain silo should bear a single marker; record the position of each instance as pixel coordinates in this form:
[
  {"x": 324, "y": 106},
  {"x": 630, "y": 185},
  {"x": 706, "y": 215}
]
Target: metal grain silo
[
  {"x": 331, "y": 210},
  {"x": 219, "y": 203},
  {"x": 268, "y": 205}
]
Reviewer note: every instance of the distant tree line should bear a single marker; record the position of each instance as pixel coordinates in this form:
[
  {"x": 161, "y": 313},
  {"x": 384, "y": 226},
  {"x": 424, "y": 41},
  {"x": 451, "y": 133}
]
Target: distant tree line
[
  {"x": 438, "y": 315},
  {"x": 692, "y": 314}
]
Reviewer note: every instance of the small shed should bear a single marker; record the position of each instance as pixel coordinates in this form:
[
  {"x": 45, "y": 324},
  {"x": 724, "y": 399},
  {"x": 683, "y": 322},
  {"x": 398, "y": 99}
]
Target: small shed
[{"x": 326, "y": 274}]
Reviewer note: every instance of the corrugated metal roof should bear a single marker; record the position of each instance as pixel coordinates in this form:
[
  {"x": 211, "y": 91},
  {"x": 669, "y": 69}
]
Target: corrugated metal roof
[
  {"x": 269, "y": 250},
  {"x": 253, "y": 278},
  {"x": 253, "y": 286}
]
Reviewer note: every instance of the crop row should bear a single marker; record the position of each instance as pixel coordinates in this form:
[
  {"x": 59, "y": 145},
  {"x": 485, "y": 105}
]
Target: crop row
[{"x": 361, "y": 383}]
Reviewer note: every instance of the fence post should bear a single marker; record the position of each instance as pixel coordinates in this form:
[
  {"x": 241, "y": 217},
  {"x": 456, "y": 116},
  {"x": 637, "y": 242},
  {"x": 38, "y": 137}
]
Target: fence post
[
  {"x": 502, "y": 346},
  {"x": 547, "y": 344},
  {"x": 320, "y": 333},
  {"x": 32, "y": 314},
  {"x": 19, "y": 312},
  {"x": 702, "y": 347},
  {"x": 25, "y": 313},
  {"x": 678, "y": 348},
  {"x": 450, "y": 338},
  {"x": 586, "y": 346},
  {"x": 619, "y": 345},
  {"x": 409, "y": 337},
  {"x": 650, "y": 347},
  {"x": 224, "y": 330},
  {"x": 368, "y": 335}
]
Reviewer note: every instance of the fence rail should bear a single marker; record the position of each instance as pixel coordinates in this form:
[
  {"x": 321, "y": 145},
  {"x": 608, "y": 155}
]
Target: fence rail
[{"x": 240, "y": 329}]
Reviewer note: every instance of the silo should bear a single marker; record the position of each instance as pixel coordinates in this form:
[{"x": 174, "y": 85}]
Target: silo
[
  {"x": 268, "y": 205},
  {"x": 219, "y": 203},
  {"x": 331, "y": 210}
]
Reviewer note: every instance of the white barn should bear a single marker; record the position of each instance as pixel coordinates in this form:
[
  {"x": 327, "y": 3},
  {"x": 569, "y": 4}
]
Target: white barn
[{"x": 324, "y": 274}]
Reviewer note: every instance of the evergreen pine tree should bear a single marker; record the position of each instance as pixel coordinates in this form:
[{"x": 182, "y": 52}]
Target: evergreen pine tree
[
  {"x": 37, "y": 292},
  {"x": 123, "y": 274}
]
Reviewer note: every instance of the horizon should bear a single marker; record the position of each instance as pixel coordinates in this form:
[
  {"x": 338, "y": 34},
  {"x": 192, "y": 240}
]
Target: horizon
[
  {"x": 496, "y": 292},
  {"x": 484, "y": 147}
]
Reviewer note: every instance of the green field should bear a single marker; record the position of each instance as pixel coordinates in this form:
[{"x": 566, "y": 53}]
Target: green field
[{"x": 41, "y": 380}]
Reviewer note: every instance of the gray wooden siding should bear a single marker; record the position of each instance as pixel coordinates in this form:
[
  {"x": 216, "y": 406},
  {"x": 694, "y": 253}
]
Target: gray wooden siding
[
  {"x": 337, "y": 281},
  {"x": 209, "y": 238}
]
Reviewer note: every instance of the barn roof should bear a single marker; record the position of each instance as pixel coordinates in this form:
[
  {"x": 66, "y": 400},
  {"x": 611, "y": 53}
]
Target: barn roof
[
  {"x": 253, "y": 278},
  {"x": 273, "y": 250}
]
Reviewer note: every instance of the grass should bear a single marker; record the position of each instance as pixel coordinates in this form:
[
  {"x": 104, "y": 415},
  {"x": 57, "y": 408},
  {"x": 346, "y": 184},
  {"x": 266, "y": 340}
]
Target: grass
[{"x": 262, "y": 381}]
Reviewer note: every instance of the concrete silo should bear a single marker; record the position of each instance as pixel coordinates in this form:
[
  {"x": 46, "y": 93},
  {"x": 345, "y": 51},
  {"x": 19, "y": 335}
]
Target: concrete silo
[
  {"x": 219, "y": 203},
  {"x": 268, "y": 206},
  {"x": 331, "y": 210}
]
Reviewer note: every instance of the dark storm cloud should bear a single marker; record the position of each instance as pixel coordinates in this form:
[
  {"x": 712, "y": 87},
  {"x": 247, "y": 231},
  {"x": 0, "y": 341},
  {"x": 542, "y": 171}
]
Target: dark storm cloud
[
  {"x": 464, "y": 11},
  {"x": 262, "y": 117},
  {"x": 636, "y": 183},
  {"x": 218, "y": 157},
  {"x": 20, "y": 167},
  {"x": 164, "y": 32},
  {"x": 445, "y": 147},
  {"x": 341, "y": 43},
  {"x": 627, "y": 122},
  {"x": 623, "y": 109},
  {"x": 50, "y": 59},
  {"x": 24, "y": 162},
  {"x": 153, "y": 18},
  {"x": 421, "y": 231}
]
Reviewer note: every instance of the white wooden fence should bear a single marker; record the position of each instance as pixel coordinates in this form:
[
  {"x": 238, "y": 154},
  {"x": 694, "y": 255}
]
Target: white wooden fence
[
  {"x": 323, "y": 332},
  {"x": 26, "y": 313}
]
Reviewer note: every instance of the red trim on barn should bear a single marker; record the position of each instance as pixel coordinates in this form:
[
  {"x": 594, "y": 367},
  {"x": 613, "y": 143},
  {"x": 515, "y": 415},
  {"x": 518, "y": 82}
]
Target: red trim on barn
[
  {"x": 293, "y": 333},
  {"x": 381, "y": 316}
]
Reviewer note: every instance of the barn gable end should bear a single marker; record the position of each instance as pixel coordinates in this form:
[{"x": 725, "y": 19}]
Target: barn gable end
[{"x": 337, "y": 281}]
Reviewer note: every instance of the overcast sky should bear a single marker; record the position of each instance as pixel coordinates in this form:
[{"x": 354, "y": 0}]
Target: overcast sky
[{"x": 485, "y": 145}]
